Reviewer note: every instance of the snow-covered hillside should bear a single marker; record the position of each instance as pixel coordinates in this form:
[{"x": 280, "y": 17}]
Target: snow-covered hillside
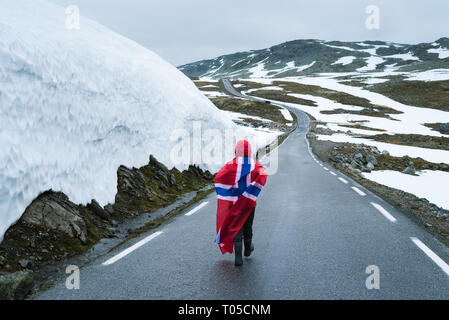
[
  {"x": 77, "y": 104},
  {"x": 308, "y": 56}
]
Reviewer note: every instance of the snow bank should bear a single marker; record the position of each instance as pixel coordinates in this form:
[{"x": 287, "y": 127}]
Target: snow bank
[
  {"x": 443, "y": 53},
  {"x": 430, "y": 185},
  {"x": 77, "y": 104},
  {"x": 345, "y": 60},
  {"x": 430, "y": 75},
  {"x": 259, "y": 70},
  {"x": 404, "y": 56}
]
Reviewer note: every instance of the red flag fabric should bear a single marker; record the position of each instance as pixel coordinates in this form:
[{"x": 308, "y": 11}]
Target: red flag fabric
[{"x": 238, "y": 185}]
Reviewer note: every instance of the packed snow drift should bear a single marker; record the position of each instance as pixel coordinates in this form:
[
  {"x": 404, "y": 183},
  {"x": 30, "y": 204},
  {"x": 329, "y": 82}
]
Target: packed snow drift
[{"x": 77, "y": 104}]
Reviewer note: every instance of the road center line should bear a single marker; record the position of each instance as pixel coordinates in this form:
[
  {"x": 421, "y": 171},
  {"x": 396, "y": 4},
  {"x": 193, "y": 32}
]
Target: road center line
[
  {"x": 432, "y": 255},
  {"x": 136, "y": 246},
  {"x": 196, "y": 209},
  {"x": 360, "y": 192},
  {"x": 384, "y": 212},
  {"x": 343, "y": 180}
]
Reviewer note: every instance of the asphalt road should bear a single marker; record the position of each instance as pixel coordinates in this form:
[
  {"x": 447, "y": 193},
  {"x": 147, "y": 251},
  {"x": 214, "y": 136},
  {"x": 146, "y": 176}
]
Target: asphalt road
[{"x": 314, "y": 238}]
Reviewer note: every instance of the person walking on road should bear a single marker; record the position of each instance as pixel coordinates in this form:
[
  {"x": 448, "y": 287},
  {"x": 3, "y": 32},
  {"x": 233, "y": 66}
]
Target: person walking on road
[{"x": 238, "y": 184}]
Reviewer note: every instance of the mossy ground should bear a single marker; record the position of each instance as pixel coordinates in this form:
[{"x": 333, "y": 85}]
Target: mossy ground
[
  {"x": 425, "y": 94},
  {"x": 415, "y": 140},
  {"x": 255, "y": 108},
  {"x": 343, "y": 98}
]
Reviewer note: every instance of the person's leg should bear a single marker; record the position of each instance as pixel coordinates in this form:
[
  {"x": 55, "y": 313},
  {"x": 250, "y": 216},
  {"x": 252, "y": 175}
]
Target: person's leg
[
  {"x": 248, "y": 226},
  {"x": 238, "y": 247},
  {"x": 248, "y": 234}
]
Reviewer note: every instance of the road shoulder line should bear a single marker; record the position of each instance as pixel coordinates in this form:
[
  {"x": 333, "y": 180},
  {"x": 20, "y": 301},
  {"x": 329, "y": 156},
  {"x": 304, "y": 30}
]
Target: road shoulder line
[
  {"x": 432, "y": 255},
  {"x": 134, "y": 247},
  {"x": 384, "y": 212}
]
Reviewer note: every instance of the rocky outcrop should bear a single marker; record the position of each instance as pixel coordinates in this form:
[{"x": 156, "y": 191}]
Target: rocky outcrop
[
  {"x": 153, "y": 186},
  {"x": 15, "y": 286},
  {"x": 54, "y": 211},
  {"x": 53, "y": 228},
  {"x": 361, "y": 159},
  {"x": 441, "y": 128}
]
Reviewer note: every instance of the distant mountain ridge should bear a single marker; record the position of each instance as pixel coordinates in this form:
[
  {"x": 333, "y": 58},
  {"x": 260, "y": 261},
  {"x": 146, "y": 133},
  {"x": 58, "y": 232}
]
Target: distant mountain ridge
[{"x": 302, "y": 57}]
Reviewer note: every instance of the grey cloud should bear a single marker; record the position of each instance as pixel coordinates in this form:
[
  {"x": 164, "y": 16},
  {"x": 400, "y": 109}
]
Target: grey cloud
[{"x": 184, "y": 31}]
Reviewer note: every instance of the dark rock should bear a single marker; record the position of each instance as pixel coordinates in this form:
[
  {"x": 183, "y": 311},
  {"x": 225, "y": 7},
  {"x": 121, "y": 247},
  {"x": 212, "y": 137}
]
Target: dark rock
[
  {"x": 109, "y": 209},
  {"x": 133, "y": 183},
  {"x": 25, "y": 263},
  {"x": 157, "y": 164},
  {"x": 161, "y": 173},
  {"x": 208, "y": 175},
  {"x": 410, "y": 170},
  {"x": 2, "y": 261},
  {"x": 355, "y": 164},
  {"x": 54, "y": 211},
  {"x": 358, "y": 157},
  {"x": 372, "y": 159},
  {"x": 370, "y": 167},
  {"x": 16, "y": 286},
  {"x": 95, "y": 207},
  {"x": 172, "y": 179},
  {"x": 195, "y": 170}
]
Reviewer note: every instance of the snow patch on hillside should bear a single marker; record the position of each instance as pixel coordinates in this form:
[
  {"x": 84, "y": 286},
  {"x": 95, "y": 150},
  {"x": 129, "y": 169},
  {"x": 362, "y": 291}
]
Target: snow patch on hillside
[
  {"x": 443, "y": 53},
  {"x": 429, "y": 75},
  {"x": 430, "y": 185},
  {"x": 345, "y": 60},
  {"x": 403, "y": 56},
  {"x": 259, "y": 70}
]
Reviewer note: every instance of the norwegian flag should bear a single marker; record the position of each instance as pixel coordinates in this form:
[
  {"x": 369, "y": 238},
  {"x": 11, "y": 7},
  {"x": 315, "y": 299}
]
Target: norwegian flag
[{"x": 238, "y": 185}]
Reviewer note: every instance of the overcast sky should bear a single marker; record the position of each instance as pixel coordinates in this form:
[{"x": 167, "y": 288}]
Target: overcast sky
[{"x": 183, "y": 31}]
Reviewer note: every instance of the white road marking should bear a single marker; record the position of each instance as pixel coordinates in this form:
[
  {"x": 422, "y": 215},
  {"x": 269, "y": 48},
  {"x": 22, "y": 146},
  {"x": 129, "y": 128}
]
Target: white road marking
[
  {"x": 321, "y": 165},
  {"x": 432, "y": 255},
  {"x": 326, "y": 169},
  {"x": 333, "y": 173},
  {"x": 343, "y": 180},
  {"x": 360, "y": 192},
  {"x": 196, "y": 209},
  {"x": 383, "y": 211},
  {"x": 132, "y": 248}
]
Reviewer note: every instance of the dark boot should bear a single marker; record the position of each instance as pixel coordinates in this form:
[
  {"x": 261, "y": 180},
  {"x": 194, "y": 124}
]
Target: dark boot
[
  {"x": 249, "y": 247},
  {"x": 238, "y": 253}
]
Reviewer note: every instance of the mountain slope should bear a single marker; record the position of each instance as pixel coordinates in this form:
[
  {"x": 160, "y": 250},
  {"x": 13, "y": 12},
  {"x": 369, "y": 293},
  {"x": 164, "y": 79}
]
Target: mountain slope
[
  {"x": 77, "y": 104},
  {"x": 303, "y": 57}
]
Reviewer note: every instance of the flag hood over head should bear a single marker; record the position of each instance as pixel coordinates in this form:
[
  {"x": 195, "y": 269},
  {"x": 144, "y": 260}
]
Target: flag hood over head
[{"x": 243, "y": 149}]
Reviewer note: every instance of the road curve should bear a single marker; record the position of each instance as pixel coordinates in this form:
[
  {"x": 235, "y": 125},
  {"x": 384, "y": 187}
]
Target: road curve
[{"x": 316, "y": 232}]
